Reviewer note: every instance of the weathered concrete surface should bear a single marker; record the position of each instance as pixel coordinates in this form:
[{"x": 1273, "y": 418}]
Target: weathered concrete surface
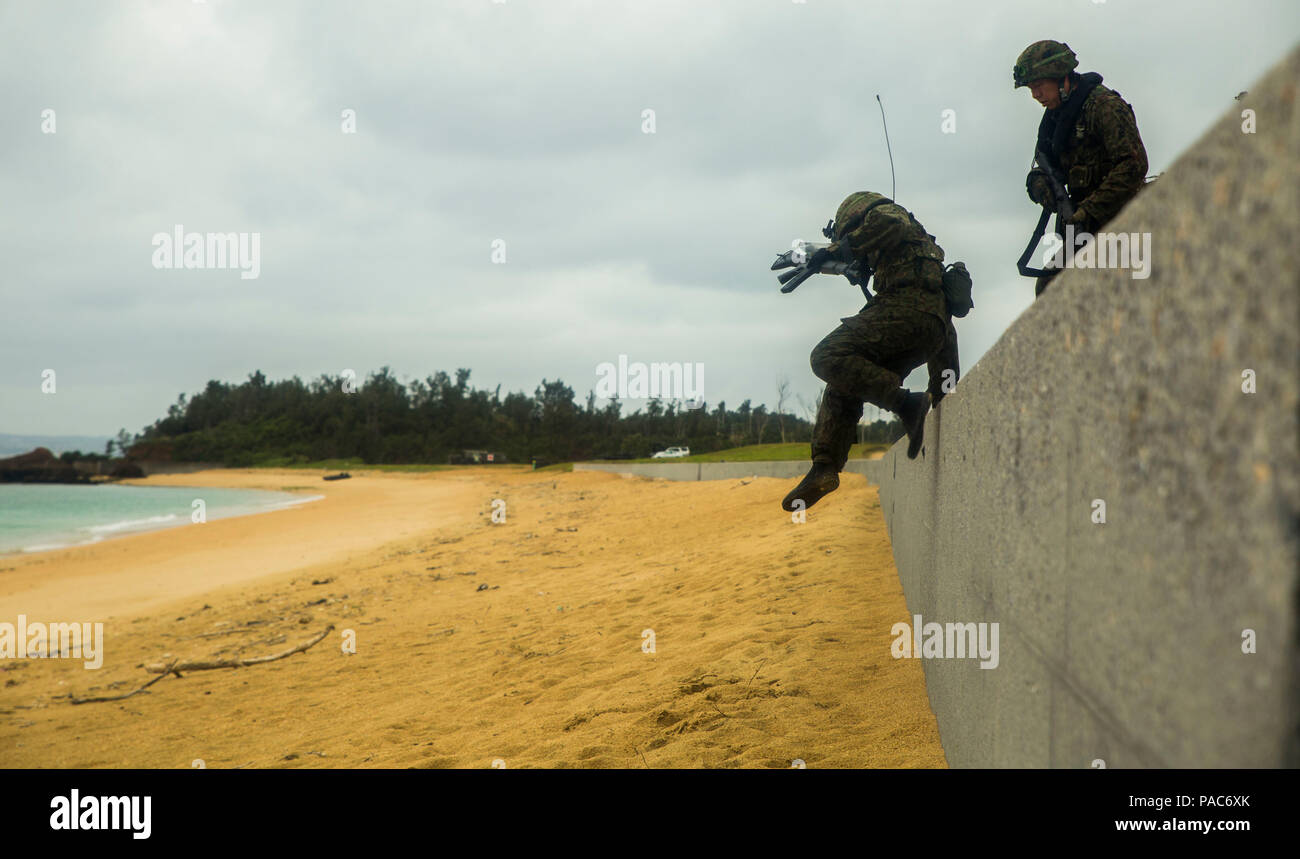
[
  {"x": 724, "y": 470},
  {"x": 1123, "y": 641}
]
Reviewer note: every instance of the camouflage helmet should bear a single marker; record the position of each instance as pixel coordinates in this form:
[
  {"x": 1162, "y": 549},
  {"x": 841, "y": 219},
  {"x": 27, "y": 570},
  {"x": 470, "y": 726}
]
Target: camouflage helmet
[
  {"x": 1045, "y": 59},
  {"x": 851, "y": 212}
]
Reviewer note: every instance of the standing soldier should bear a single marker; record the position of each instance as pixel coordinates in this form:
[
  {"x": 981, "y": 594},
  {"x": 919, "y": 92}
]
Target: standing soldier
[
  {"x": 904, "y": 325},
  {"x": 1088, "y": 135}
]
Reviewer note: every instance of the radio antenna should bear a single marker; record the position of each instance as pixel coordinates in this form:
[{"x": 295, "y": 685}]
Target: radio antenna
[{"x": 893, "y": 190}]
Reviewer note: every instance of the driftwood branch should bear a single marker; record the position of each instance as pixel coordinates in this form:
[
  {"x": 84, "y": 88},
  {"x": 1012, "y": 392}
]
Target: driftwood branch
[
  {"x": 177, "y": 667},
  {"x": 120, "y": 697}
]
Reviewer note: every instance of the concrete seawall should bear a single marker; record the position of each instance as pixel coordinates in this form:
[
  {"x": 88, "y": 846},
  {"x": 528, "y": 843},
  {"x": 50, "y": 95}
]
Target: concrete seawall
[
  {"x": 1124, "y": 639},
  {"x": 724, "y": 470}
]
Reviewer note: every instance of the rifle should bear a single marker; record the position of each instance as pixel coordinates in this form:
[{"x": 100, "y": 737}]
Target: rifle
[
  {"x": 799, "y": 271},
  {"x": 796, "y": 259},
  {"x": 1064, "y": 211}
]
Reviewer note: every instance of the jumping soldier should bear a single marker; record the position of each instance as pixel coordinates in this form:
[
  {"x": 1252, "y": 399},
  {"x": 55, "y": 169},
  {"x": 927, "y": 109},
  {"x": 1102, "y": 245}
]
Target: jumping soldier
[{"x": 907, "y": 323}]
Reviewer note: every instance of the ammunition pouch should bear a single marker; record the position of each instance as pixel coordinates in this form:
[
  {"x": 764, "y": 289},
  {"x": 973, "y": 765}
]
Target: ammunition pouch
[
  {"x": 1081, "y": 178},
  {"x": 957, "y": 285}
]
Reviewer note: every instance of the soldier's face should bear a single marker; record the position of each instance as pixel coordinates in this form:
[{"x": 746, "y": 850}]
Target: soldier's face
[{"x": 1046, "y": 92}]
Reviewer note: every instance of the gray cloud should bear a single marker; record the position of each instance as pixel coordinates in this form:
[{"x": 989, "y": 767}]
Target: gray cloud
[{"x": 522, "y": 121}]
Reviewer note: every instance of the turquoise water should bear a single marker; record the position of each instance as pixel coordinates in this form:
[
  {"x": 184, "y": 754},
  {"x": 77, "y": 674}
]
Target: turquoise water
[{"x": 35, "y": 517}]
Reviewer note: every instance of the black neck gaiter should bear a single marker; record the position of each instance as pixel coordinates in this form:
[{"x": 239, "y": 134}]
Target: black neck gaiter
[{"x": 1054, "y": 130}]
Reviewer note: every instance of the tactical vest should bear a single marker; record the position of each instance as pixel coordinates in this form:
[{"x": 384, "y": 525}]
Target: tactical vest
[
  {"x": 924, "y": 268},
  {"x": 1085, "y": 162}
]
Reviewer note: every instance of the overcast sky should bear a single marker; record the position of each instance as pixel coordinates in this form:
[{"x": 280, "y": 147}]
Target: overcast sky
[{"x": 523, "y": 121}]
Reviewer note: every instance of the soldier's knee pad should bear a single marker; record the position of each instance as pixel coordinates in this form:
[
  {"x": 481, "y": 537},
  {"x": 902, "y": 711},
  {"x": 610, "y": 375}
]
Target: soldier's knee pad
[{"x": 821, "y": 362}]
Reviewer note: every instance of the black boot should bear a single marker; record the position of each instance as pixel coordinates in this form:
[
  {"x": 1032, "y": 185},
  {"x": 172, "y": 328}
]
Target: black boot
[
  {"x": 820, "y": 480},
  {"x": 912, "y": 414}
]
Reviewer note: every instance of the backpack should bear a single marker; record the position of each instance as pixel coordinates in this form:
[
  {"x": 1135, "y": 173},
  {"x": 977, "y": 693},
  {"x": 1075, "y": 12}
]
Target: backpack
[{"x": 956, "y": 289}]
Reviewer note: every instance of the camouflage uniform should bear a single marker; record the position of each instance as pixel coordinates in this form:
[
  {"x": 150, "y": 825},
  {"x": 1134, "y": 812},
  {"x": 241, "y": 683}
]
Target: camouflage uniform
[
  {"x": 1101, "y": 157},
  {"x": 1107, "y": 163},
  {"x": 904, "y": 325}
]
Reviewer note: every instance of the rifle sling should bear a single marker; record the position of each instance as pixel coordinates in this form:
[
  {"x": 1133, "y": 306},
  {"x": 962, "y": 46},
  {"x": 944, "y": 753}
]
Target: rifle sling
[{"x": 1023, "y": 263}]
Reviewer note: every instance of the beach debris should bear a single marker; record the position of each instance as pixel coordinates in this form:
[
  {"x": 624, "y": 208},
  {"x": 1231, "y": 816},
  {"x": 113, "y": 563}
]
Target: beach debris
[
  {"x": 317, "y": 582},
  {"x": 482, "y": 587},
  {"x": 570, "y": 528},
  {"x": 119, "y": 697},
  {"x": 275, "y": 639},
  {"x": 755, "y": 674},
  {"x": 342, "y": 475},
  {"x": 643, "y": 760},
  {"x": 177, "y": 667},
  {"x": 239, "y": 630}
]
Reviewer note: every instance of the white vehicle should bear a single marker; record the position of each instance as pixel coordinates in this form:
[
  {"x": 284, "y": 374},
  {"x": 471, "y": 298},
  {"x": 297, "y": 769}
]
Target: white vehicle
[{"x": 672, "y": 453}]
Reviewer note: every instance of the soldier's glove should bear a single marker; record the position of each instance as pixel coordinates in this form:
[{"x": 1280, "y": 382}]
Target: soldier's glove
[
  {"x": 818, "y": 258},
  {"x": 1039, "y": 189}
]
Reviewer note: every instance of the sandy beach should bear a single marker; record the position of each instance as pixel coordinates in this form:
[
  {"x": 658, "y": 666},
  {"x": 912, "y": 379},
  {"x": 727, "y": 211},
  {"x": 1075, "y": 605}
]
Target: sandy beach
[{"x": 521, "y": 643}]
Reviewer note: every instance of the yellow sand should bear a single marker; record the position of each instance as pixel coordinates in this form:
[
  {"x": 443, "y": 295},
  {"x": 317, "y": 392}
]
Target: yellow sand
[{"x": 771, "y": 638}]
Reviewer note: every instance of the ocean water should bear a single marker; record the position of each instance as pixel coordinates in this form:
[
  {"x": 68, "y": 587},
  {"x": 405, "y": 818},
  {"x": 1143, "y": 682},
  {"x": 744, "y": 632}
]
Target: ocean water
[{"x": 37, "y": 517}]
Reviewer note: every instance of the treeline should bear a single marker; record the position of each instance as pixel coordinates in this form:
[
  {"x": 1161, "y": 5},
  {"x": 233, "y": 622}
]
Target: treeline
[{"x": 432, "y": 421}]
